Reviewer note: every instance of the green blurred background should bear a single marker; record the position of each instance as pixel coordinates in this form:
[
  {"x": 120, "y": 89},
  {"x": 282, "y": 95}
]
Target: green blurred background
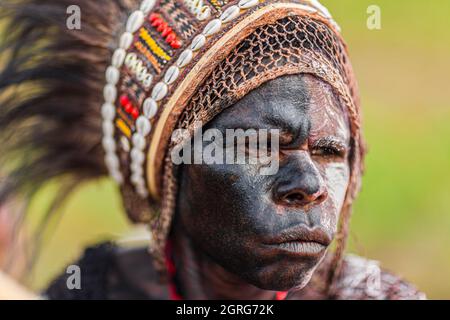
[{"x": 402, "y": 216}]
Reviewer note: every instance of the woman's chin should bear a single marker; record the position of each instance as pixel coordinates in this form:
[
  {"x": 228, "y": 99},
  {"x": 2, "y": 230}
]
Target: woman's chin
[{"x": 282, "y": 277}]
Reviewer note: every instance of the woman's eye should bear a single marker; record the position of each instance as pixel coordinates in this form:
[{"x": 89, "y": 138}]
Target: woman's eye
[
  {"x": 327, "y": 151},
  {"x": 328, "y": 147}
]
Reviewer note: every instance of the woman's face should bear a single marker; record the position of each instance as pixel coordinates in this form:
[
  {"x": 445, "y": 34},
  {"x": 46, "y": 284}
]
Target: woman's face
[{"x": 273, "y": 230}]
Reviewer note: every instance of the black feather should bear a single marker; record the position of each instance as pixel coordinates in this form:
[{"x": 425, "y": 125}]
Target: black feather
[{"x": 51, "y": 81}]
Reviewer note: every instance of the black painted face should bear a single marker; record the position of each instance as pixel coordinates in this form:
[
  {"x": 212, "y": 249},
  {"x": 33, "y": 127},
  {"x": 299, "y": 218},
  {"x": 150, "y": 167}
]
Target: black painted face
[{"x": 273, "y": 230}]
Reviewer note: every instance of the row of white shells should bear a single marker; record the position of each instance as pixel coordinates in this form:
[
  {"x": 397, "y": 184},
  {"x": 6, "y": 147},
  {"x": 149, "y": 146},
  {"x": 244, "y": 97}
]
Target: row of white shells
[
  {"x": 160, "y": 90},
  {"x": 112, "y": 76}
]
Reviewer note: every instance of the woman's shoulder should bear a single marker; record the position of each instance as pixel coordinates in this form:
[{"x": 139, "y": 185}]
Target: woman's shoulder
[
  {"x": 107, "y": 271},
  {"x": 110, "y": 272},
  {"x": 363, "y": 278}
]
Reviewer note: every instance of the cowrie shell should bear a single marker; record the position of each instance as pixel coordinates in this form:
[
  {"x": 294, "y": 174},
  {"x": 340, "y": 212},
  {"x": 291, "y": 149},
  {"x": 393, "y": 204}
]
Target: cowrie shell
[
  {"x": 150, "y": 108},
  {"x": 245, "y": 4},
  {"x": 118, "y": 58},
  {"x": 204, "y": 14},
  {"x": 108, "y": 111},
  {"x": 159, "y": 91},
  {"x": 112, "y": 75},
  {"x": 108, "y": 128},
  {"x": 137, "y": 179},
  {"x": 109, "y": 144},
  {"x": 171, "y": 75},
  {"x": 138, "y": 141},
  {"x": 131, "y": 58},
  {"x": 137, "y": 156},
  {"x": 125, "y": 144},
  {"x": 198, "y": 42},
  {"x": 141, "y": 73},
  {"x": 184, "y": 58},
  {"x": 137, "y": 169},
  {"x": 112, "y": 161},
  {"x": 110, "y": 93},
  {"x": 135, "y": 20},
  {"x": 125, "y": 40},
  {"x": 212, "y": 27},
  {"x": 148, "y": 81},
  {"x": 230, "y": 14},
  {"x": 143, "y": 126},
  {"x": 147, "y": 5},
  {"x": 117, "y": 176}
]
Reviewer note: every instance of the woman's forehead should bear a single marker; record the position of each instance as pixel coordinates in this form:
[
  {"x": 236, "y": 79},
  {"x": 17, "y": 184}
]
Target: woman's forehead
[
  {"x": 292, "y": 103},
  {"x": 326, "y": 113}
]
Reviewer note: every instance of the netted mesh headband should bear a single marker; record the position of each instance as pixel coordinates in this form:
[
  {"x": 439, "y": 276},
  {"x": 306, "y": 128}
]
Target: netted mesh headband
[{"x": 292, "y": 45}]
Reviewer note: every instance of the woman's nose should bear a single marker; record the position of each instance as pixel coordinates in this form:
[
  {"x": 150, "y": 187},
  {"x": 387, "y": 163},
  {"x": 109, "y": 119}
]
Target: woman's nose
[{"x": 300, "y": 183}]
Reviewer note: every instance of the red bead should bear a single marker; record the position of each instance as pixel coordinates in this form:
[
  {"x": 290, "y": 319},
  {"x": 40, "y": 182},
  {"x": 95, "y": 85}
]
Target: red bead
[
  {"x": 128, "y": 108},
  {"x": 175, "y": 44},
  {"x": 166, "y": 31},
  {"x": 135, "y": 113},
  {"x": 124, "y": 100},
  {"x": 162, "y": 27},
  {"x": 171, "y": 37},
  {"x": 153, "y": 17},
  {"x": 157, "y": 22}
]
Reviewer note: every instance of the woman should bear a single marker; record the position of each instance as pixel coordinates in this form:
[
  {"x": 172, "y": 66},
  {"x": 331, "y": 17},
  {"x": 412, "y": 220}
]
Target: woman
[{"x": 108, "y": 99}]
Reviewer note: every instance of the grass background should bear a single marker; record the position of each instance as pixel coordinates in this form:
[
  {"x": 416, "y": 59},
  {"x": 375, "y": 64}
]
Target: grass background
[{"x": 402, "y": 216}]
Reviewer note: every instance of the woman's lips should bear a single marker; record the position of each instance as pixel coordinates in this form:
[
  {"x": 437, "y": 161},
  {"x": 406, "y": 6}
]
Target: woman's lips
[
  {"x": 308, "y": 247},
  {"x": 301, "y": 241}
]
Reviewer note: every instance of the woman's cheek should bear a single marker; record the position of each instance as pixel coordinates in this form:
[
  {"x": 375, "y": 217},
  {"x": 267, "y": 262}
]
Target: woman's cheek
[{"x": 336, "y": 179}]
